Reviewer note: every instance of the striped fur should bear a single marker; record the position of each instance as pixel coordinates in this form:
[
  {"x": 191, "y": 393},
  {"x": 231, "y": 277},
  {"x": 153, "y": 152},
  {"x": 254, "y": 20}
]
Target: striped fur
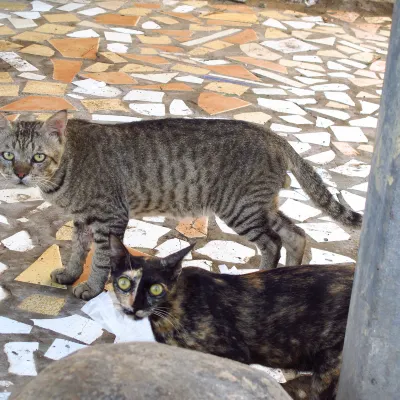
[{"x": 102, "y": 174}]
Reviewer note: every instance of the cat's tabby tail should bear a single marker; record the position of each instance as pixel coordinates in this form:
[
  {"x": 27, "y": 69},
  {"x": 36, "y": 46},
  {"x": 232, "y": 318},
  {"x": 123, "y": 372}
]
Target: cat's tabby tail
[{"x": 314, "y": 186}]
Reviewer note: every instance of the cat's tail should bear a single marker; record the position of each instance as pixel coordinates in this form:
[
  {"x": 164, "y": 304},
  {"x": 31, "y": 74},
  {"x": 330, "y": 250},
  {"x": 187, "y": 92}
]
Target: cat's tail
[{"x": 314, "y": 186}]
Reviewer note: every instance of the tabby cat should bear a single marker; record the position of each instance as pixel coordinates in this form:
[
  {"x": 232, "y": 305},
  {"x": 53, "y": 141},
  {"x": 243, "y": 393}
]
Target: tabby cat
[
  {"x": 292, "y": 317},
  {"x": 179, "y": 167}
]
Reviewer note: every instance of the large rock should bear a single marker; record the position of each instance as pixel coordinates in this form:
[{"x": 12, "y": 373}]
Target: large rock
[{"x": 139, "y": 371}]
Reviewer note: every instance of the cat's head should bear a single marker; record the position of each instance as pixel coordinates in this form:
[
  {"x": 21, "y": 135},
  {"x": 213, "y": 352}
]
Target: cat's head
[
  {"x": 31, "y": 151},
  {"x": 143, "y": 284}
]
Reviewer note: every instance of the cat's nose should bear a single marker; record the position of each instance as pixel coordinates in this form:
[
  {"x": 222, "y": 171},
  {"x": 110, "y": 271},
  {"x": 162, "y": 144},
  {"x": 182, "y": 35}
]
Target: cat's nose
[{"x": 21, "y": 175}]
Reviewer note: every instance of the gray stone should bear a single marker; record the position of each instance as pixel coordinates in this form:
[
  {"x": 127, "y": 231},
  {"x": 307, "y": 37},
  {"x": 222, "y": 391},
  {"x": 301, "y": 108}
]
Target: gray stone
[{"x": 139, "y": 371}]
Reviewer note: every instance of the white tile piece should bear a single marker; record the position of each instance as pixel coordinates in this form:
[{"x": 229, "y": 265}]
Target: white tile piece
[
  {"x": 287, "y": 46},
  {"x": 114, "y": 118},
  {"x": 3, "y": 267},
  {"x": 22, "y": 23},
  {"x": 269, "y": 91},
  {"x": 153, "y": 109},
  {"x": 222, "y": 250},
  {"x": 334, "y": 87},
  {"x": 3, "y": 220},
  {"x": 302, "y": 102},
  {"x": 281, "y": 106},
  {"x": 190, "y": 79},
  {"x": 340, "y": 75},
  {"x": 367, "y": 122},
  {"x": 127, "y": 30},
  {"x": 61, "y": 348},
  {"x": 224, "y": 227},
  {"x": 368, "y": 108},
  {"x": 162, "y": 78},
  {"x": 204, "y": 264},
  {"x": 143, "y": 234},
  {"x": 301, "y": 92},
  {"x": 324, "y": 257},
  {"x": 172, "y": 246},
  {"x": 325, "y": 176},
  {"x": 355, "y": 46},
  {"x": 33, "y": 76},
  {"x": 17, "y": 62},
  {"x": 284, "y": 128},
  {"x": 89, "y": 84},
  {"x": 273, "y": 373},
  {"x": 5, "y": 395},
  {"x": 208, "y": 38},
  {"x": 231, "y": 78},
  {"x": 40, "y": 6},
  {"x": 223, "y": 269},
  {"x": 154, "y": 219},
  {"x": 20, "y": 357},
  {"x": 118, "y": 37},
  {"x": 322, "y": 158},
  {"x": 331, "y": 113},
  {"x": 76, "y": 327},
  {"x": 340, "y": 97},
  {"x": 183, "y": 9},
  {"x": 179, "y": 107},
  {"x": 311, "y": 59},
  {"x": 150, "y": 25},
  {"x": 105, "y": 91},
  {"x": 87, "y": 33},
  {"x": 273, "y": 23},
  {"x": 212, "y": 62},
  {"x": 20, "y": 194},
  {"x": 144, "y": 95},
  {"x": 349, "y": 134},
  {"x": 75, "y": 96},
  {"x": 328, "y": 41},
  {"x": 300, "y": 24},
  {"x": 296, "y": 119},
  {"x": 300, "y": 147},
  {"x": 21, "y": 241},
  {"x": 336, "y": 66},
  {"x": 309, "y": 81},
  {"x": 356, "y": 202},
  {"x": 28, "y": 14},
  {"x": 10, "y": 326},
  {"x": 323, "y": 122},
  {"x": 353, "y": 168},
  {"x": 298, "y": 194},
  {"x": 23, "y": 219},
  {"x": 276, "y": 77},
  {"x": 298, "y": 211},
  {"x": 92, "y": 11},
  {"x": 321, "y": 138},
  {"x": 362, "y": 187},
  {"x": 352, "y": 63},
  {"x": 309, "y": 74},
  {"x": 117, "y": 48},
  {"x": 71, "y": 7},
  {"x": 323, "y": 232},
  {"x": 3, "y": 294}
]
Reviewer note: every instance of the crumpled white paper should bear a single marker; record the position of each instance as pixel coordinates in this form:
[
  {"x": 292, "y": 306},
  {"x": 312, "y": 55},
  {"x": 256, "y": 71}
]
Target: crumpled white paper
[{"x": 102, "y": 310}]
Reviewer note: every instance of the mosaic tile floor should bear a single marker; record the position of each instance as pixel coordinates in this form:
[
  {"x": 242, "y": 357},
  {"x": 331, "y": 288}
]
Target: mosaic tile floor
[{"x": 314, "y": 79}]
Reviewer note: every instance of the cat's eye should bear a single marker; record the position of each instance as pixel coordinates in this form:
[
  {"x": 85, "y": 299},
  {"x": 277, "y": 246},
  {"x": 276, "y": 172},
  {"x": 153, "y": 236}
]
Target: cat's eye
[
  {"x": 156, "y": 289},
  {"x": 8, "y": 156},
  {"x": 39, "y": 157},
  {"x": 124, "y": 283}
]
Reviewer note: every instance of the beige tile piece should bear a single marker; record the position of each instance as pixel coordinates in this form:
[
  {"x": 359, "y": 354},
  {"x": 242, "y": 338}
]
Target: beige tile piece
[
  {"x": 257, "y": 117},
  {"x": 9, "y": 90},
  {"x": 39, "y": 272},
  {"x": 65, "y": 232},
  {"x": 331, "y": 53},
  {"x": 166, "y": 20},
  {"x": 115, "y": 58},
  {"x": 37, "y": 303},
  {"x": 202, "y": 28},
  {"x": 54, "y": 29},
  {"x": 38, "y": 50},
  {"x": 6, "y": 31},
  {"x": 334, "y": 104},
  {"x": 193, "y": 227},
  {"x": 5, "y": 77},
  {"x": 273, "y": 33},
  {"x": 217, "y": 45},
  {"x": 200, "y": 51},
  {"x": 111, "y": 5},
  {"x": 228, "y": 88},
  {"x": 272, "y": 14},
  {"x": 139, "y": 12},
  {"x": 13, "y": 5},
  {"x": 105, "y": 105},
  {"x": 5, "y": 45},
  {"x": 98, "y": 67},
  {"x": 162, "y": 39},
  {"x": 366, "y": 147},
  {"x": 66, "y": 17},
  {"x": 32, "y": 36},
  {"x": 235, "y": 17},
  {"x": 189, "y": 69},
  {"x": 39, "y": 87},
  {"x": 130, "y": 68},
  {"x": 346, "y": 49},
  {"x": 148, "y": 51}
]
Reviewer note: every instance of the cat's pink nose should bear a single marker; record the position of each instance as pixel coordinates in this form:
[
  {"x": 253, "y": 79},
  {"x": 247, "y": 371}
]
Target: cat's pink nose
[{"x": 21, "y": 175}]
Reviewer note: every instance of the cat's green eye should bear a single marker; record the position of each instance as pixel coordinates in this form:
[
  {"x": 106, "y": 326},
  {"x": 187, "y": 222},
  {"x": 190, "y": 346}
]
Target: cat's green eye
[
  {"x": 124, "y": 283},
  {"x": 8, "y": 156},
  {"x": 156, "y": 289},
  {"x": 39, "y": 157}
]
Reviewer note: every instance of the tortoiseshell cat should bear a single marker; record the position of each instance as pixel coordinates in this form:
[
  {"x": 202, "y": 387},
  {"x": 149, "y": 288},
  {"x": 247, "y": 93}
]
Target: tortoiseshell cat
[
  {"x": 101, "y": 174},
  {"x": 292, "y": 317}
]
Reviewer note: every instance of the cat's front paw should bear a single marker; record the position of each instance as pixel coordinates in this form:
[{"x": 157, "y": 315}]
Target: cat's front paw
[
  {"x": 85, "y": 292},
  {"x": 63, "y": 277}
]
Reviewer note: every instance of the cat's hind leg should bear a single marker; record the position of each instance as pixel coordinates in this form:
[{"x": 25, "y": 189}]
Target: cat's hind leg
[{"x": 81, "y": 240}]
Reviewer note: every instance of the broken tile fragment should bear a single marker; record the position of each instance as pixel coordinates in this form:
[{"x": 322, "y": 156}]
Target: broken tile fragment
[
  {"x": 324, "y": 257},
  {"x": 288, "y": 46},
  {"x": 253, "y": 117},
  {"x": 104, "y": 105},
  {"x": 20, "y": 357},
  {"x": 322, "y": 158},
  {"x": 356, "y": 202},
  {"x": 325, "y": 232},
  {"x": 227, "y": 251},
  {"x": 193, "y": 228},
  {"x": 10, "y": 326},
  {"x": 179, "y": 107},
  {"x": 61, "y": 348},
  {"x": 20, "y": 241},
  {"x": 142, "y": 234},
  {"x": 298, "y": 211},
  {"x": 281, "y": 106},
  {"x": 41, "y": 304},
  {"x": 349, "y": 134},
  {"x": 65, "y": 70},
  {"x": 214, "y": 103},
  {"x": 38, "y": 50},
  {"x": 353, "y": 168},
  {"x": 77, "y": 48}
]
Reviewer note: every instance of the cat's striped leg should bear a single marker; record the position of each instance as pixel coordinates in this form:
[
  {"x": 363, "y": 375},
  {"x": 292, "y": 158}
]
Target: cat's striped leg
[{"x": 81, "y": 240}]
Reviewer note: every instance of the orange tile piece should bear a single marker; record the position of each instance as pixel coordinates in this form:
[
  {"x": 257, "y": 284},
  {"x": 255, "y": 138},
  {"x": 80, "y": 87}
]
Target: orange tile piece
[
  {"x": 232, "y": 7},
  {"x": 234, "y": 17},
  {"x": 76, "y": 47},
  {"x": 38, "y": 103},
  {"x": 176, "y": 33},
  {"x": 184, "y": 16},
  {"x": 66, "y": 17},
  {"x": 116, "y": 19},
  {"x": 226, "y": 23},
  {"x": 214, "y": 103},
  {"x": 12, "y": 117},
  {"x": 193, "y": 227},
  {"x": 148, "y": 5},
  {"x": 246, "y": 36},
  {"x": 116, "y": 78},
  {"x": 261, "y": 63},
  {"x": 178, "y": 87},
  {"x": 87, "y": 267},
  {"x": 236, "y": 71},
  {"x": 65, "y": 70},
  {"x": 167, "y": 49},
  {"x": 154, "y": 60}
]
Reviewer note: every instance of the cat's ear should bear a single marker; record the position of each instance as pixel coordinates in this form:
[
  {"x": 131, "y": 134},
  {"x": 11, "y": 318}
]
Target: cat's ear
[
  {"x": 118, "y": 252},
  {"x": 57, "y": 124},
  {"x": 173, "y": 262},
  {"x": 4, "y": 123}
]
